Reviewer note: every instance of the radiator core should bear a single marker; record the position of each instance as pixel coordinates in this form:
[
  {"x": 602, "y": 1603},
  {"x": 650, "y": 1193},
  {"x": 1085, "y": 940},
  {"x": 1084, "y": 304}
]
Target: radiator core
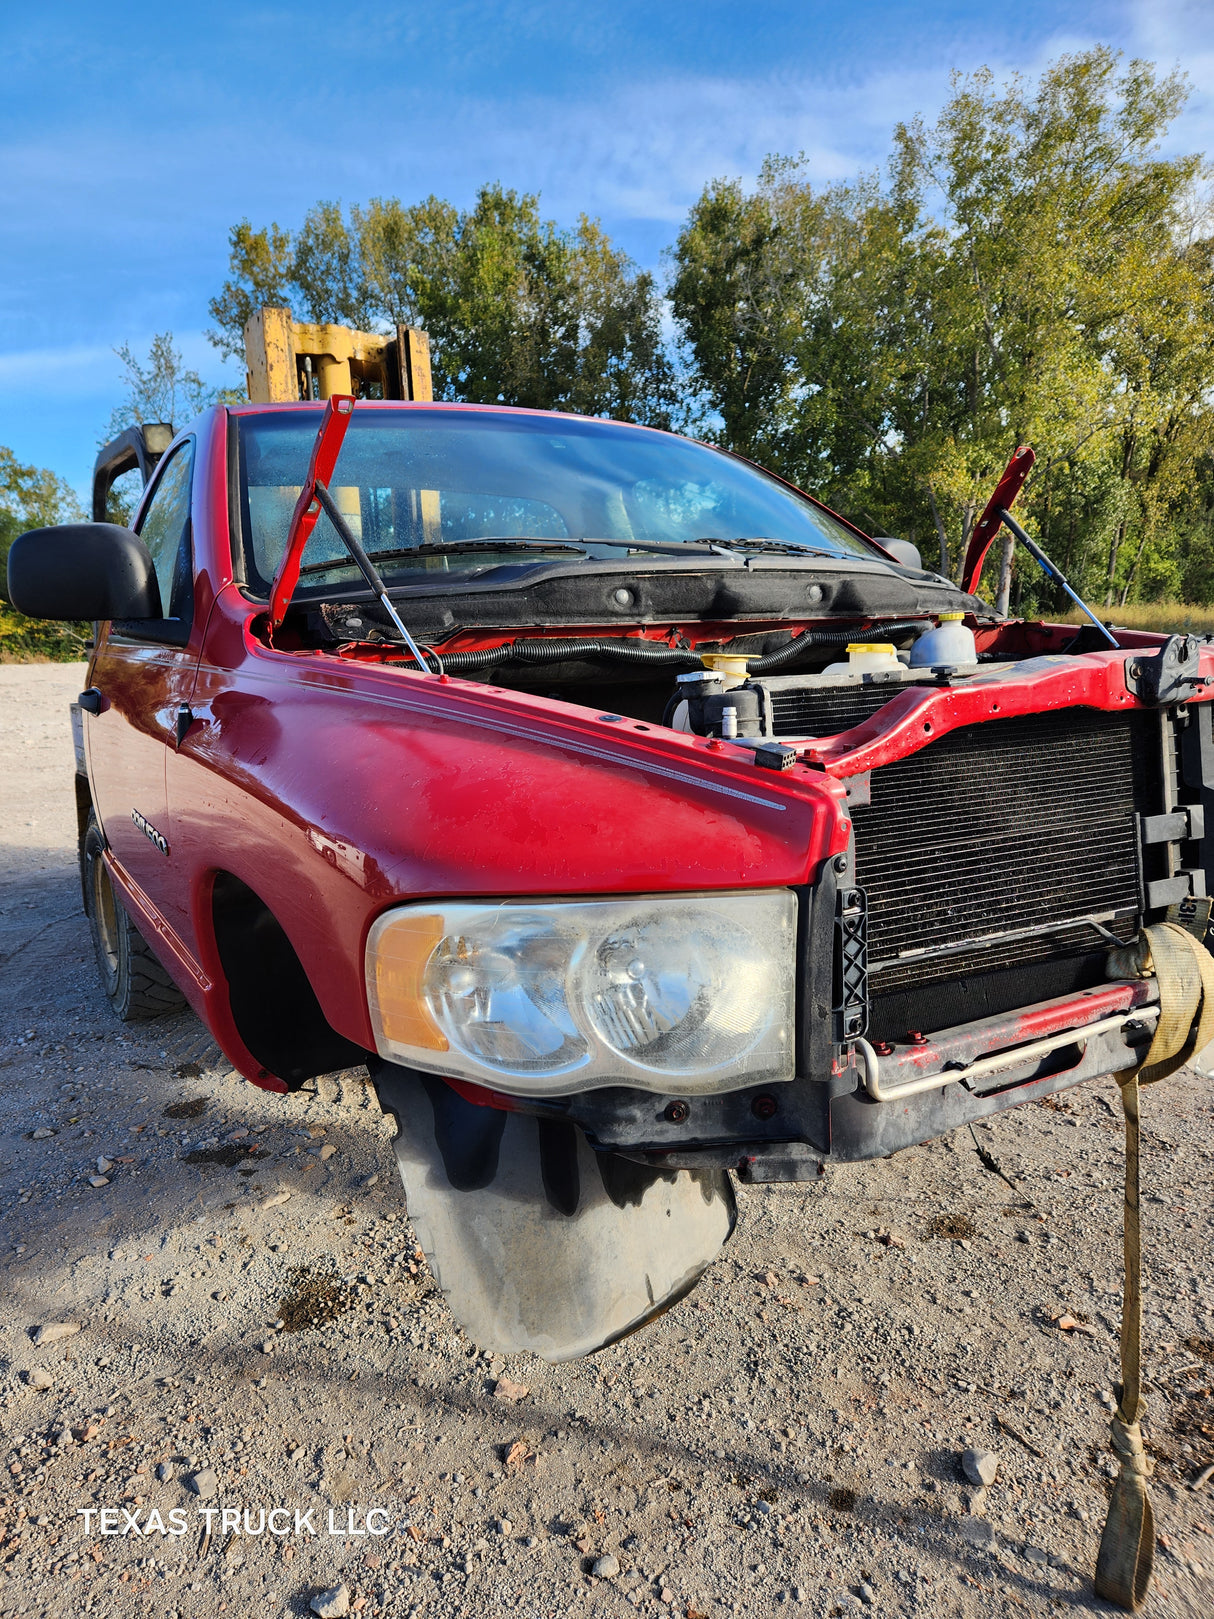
[{"x": 996, "y": 829}]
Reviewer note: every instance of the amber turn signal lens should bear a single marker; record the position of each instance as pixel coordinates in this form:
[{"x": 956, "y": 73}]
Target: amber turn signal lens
[{"x": 396, "y": 979}]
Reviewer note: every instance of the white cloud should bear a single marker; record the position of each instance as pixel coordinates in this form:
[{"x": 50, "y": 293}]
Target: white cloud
[
  {"x": 642, "y": 151},
  {"x": 1180, "y": 34}
]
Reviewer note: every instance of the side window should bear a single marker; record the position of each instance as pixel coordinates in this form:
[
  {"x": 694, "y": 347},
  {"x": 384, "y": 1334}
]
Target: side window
[{"x": 165, "y": 530}]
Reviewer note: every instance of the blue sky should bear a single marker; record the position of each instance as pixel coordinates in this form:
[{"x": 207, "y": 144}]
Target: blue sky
[{"x": 132, "y": 138}]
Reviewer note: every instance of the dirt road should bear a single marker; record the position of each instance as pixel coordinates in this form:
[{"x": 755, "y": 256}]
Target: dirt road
[{"x": 787, "y": 1439}]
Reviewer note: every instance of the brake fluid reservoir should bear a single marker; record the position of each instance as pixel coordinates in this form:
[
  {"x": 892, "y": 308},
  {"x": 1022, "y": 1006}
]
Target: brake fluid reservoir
[
  {"x": 867, "y": 658},
  {"x": 951, "y": 643}
]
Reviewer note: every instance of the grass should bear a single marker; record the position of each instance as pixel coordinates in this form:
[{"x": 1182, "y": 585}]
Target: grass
[{"x": 1174, "y": 618}]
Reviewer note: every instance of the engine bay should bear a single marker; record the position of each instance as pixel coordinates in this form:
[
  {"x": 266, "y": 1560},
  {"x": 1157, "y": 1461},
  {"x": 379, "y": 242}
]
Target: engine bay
[{"x": 785, "y": 682}]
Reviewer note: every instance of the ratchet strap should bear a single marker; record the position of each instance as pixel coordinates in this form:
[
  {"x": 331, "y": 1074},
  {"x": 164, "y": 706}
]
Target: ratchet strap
[{"x": 1184, "y": 970}]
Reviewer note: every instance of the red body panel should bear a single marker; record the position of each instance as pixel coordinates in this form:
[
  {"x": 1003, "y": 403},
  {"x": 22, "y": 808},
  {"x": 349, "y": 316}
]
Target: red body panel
[
  {"x": 989, "y": 524},
  {"x": 374, "y": 785},
  {"x": 913, "y": 719}
]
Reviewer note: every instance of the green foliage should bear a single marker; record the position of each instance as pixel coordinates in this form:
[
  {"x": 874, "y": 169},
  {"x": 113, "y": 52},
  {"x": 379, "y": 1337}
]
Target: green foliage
[
  {"x": 32, "y": 497},
  {"x": 890, "y": 352},
  {"x": 261, "y": 262},
  {"x": 160, "y": 389},
  {"x": 519, "y": 311}
]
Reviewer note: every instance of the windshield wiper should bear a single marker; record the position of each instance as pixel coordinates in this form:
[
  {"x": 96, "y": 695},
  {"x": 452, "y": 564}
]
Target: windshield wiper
[
  {"x": 680, "y": 548},
  {"x": 704, "y": 547},
  {"x": 785, "y": 547},
  {"x": 452, "y": 546}
]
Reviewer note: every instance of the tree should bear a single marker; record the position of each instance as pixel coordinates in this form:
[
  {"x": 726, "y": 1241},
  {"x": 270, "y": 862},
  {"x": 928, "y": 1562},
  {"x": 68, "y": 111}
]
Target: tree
[
  {"x": 261, "y": 261},
  {"x": 890, "y": 354},
  {"x": 161, "y": 389},
  {"x": 1063, "y": 259},
  {"x": 744, "y": 287},
  {"x": 33, "y": 497},
  {"x": 158, "y": 389},
  {"x": 519, "y": 311}
]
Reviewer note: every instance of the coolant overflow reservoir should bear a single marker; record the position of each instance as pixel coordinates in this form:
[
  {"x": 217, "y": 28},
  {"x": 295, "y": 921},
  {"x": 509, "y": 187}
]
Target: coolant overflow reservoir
[
  {"x": 867, "y": 658},
  {"x": 950, "y": 643}
]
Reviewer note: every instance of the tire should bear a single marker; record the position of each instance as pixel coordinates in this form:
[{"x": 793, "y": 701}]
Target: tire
[{"x": 135, "y": 983}]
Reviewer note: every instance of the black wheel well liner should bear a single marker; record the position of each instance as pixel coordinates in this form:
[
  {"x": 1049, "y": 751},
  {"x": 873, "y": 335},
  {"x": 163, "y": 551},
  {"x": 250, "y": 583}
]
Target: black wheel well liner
[{"x": 274, "y": 1006}]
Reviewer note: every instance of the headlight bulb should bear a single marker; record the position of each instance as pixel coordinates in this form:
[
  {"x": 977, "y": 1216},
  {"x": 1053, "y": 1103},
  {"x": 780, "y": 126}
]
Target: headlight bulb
[{"x": 676, "y": 992}]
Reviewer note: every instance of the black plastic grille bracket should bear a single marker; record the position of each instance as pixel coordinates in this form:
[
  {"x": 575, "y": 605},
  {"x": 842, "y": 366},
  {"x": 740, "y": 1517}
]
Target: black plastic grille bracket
[{"x": 851, "y": 966}]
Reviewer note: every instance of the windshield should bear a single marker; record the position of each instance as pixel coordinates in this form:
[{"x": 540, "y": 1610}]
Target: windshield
[{"x": 408, "y": 480}]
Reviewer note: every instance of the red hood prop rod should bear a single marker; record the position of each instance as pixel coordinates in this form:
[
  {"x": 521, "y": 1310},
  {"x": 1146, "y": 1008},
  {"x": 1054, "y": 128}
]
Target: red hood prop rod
[
  {"x": 989, "y": 524},
  {"x": 325, "y": 451},
  {"x": 993, "y": 518},
  {"x": 314, "y": 498}
]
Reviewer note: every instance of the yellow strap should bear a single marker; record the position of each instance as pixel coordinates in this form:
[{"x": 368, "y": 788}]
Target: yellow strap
[{"x": 1184, "y": 970}]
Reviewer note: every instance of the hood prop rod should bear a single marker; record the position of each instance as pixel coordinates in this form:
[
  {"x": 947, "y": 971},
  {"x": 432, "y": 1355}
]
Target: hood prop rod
[
  {"x": 368, "y": 570},
  {"x": 1055, "y": 573}
]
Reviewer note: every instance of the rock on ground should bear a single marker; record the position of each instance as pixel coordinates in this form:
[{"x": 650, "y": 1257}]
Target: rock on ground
[
  {"x": 331, "y": 1604},
  {"x": 979, "y": 1466},
  {"x": 52, "y": 1332}
]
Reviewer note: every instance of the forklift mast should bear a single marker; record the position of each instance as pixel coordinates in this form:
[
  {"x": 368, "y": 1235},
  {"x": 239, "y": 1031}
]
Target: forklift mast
[{"x": 289, "y": 360}]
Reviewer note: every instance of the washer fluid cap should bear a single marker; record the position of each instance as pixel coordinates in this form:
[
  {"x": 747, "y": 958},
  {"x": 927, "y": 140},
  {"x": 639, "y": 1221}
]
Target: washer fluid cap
[
  {"x": 869, "y": 658},
  {"x": 731, "y": 666},
  {"x": 950, "y": 618}
]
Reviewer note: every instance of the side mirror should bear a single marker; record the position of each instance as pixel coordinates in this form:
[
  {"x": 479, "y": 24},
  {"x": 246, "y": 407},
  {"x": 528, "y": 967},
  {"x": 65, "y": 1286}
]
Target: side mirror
[
  {"x": 902, "y": 551},
  {"x": 139, "y": 448},
  {"x": 82, "y": 570}
]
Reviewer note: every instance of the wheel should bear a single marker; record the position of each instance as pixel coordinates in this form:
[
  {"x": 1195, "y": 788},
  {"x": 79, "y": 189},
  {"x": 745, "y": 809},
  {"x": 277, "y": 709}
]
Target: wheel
[{"x": 135, "y": 983}]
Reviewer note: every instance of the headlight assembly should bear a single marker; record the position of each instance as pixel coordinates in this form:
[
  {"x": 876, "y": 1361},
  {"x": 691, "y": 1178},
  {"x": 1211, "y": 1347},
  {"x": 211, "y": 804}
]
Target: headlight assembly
[{"x": 670, "y": 994}]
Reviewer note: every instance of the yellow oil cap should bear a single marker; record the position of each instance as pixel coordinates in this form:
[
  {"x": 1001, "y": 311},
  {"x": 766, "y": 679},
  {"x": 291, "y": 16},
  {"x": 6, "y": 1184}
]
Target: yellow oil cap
[
  {"x": 870, "y": 646},
  {"x": 950, "y": 618}
]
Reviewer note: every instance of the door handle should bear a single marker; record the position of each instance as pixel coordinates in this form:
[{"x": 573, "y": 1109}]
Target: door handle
[{"x": 90, "y": 701}]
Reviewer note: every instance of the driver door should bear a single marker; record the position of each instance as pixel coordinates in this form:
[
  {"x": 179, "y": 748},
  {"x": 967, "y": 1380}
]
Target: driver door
[{"x": 143, "y": 671}]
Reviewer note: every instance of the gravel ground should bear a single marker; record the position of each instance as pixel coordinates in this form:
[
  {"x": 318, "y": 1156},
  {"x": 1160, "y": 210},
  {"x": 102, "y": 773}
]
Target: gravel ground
[{"x": 786, "y": 1439}]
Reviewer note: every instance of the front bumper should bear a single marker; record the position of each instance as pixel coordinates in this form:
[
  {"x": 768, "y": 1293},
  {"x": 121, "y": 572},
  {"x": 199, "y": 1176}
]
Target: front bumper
[{"x": 838, "y": 1119}]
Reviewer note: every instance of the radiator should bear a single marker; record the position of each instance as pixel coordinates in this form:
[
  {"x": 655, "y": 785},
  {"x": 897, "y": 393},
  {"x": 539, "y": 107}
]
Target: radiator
[
  {"x": 973, "y": 846},
  {"x": 1002, "y": 829}
]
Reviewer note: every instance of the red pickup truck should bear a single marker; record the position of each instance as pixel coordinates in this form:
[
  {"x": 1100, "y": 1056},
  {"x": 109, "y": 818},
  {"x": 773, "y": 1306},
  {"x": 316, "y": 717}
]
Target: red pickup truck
[{"x": 634, "y": 818}]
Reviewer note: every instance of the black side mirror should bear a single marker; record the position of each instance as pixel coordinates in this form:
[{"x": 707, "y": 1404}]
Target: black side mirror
[
  {"x": 82, "y": 570},
  {"x": 902, "y": 551}
]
